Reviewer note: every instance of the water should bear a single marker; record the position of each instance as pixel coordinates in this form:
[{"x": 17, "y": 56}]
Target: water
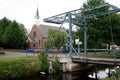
[{"x": 79, "y": 75}]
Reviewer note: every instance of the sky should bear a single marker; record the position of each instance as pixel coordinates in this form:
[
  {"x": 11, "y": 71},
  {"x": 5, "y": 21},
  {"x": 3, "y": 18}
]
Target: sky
[{"x": 23, "y": 11}]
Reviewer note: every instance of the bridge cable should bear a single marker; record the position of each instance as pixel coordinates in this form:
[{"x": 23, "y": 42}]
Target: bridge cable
[
  {"x": 58, "y": 30},
  {"x": 111, "y": 31}
]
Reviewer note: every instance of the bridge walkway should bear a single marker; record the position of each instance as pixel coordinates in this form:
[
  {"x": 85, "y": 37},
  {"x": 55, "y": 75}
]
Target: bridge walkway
[{"x": 103, "y": 61}]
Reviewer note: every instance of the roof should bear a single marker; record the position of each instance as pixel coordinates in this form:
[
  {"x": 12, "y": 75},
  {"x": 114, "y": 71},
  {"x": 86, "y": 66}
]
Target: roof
[
  {"x": 44, "y": 29},
  {"x": 31, "y": 40},
  {"x": 37, "y": 14}
]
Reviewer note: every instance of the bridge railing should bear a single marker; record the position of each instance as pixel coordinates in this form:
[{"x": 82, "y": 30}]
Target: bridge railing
[
  {"x": 99, "y": 50},
  {"x": 110, "y": 53}
]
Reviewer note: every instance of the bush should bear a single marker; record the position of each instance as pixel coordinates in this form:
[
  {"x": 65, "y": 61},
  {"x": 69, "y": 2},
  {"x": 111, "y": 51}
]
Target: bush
[
  {"x": 56, "y": 65},
  {"x": 43, "y": 61}
]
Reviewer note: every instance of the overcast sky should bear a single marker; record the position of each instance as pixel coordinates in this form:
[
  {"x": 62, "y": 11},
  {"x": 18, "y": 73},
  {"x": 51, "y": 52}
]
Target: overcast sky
[{"x": 23, "y": 11}]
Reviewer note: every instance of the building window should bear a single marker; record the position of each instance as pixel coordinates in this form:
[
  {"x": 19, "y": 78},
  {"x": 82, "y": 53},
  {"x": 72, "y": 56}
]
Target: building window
[
  {"x": 34, "y": 34},
  {"x": 34, "y": 45},
  {"x": 39, "y": 42}
]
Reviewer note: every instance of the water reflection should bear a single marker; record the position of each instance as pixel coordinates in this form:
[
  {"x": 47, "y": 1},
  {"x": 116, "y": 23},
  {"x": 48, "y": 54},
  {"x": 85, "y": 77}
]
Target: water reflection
[
  {"x": 50, "y": 77},
  {"x": 99, "y": 75},
  {"x": 79, "y": 75},
  {"x": 103, "y": 73}
]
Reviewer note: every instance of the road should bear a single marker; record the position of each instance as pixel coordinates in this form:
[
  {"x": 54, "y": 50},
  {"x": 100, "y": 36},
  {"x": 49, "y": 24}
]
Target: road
[{"x": 10, "y": 54}]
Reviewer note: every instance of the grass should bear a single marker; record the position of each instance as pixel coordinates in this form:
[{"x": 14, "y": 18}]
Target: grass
[
  {"x": 105, "y": 55},
  {"x": 18, "y": 67},
  {"x": 28, "y": 59},
  {"x": 117, "y": 76},
  {"x": 25, "y": 60},
  {"x": 23, "y": 66}
]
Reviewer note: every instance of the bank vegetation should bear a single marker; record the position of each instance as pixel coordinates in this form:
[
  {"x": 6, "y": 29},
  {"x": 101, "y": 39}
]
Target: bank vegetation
[{"x": 25, "y": 66}]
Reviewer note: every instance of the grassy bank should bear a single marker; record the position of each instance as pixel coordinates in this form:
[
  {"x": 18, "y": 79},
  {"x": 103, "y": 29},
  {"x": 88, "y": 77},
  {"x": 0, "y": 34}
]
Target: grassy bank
[
  {"x": 18, "y": 67},
  {"x": 117, "y": 77},
  {"x": 26, "y": 66},
  {"x": 105, "y": 55}
]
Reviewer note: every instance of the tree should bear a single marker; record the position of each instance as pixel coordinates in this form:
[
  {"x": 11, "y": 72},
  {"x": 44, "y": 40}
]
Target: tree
[
  {"x": 99, "y": 29},
  {"x": 14, "y": 36},
  {"x": 55, "y": 39},
  {"x": 4, "y": 23},
  {"x": 115, "y": 24},
  {"x": 93, "y": 3}
]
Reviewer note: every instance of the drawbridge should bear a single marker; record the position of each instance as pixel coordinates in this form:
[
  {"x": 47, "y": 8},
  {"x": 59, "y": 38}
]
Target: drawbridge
[{"x": 71, "y": 18}]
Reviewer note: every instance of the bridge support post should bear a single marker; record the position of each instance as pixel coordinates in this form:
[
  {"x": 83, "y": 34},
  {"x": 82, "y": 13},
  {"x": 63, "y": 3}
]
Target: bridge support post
[
  {"x": 85, "y": 36},
  {"x": 64, "y": 67},
  {"x": 70, "y": 34},
  {"x": 76, "y": 67},
  {"x": 50, "y": 70}
]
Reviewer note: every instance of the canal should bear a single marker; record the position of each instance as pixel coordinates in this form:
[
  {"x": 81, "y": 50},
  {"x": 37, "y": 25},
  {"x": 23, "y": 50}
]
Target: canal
[{"x": 97, "y": 73}]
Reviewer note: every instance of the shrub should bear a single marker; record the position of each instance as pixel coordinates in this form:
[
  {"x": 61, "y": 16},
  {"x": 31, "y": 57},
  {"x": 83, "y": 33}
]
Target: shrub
[
  {"x": 43, "y": 61},
  {"x": 56, "y": 65}
]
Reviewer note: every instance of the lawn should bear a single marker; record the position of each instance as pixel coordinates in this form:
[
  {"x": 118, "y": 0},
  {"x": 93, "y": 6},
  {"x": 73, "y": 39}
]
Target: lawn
[{"x": 18, "y": 67}]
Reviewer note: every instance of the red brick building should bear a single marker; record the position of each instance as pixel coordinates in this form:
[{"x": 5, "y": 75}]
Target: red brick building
[{"x": 38, "y": 36}]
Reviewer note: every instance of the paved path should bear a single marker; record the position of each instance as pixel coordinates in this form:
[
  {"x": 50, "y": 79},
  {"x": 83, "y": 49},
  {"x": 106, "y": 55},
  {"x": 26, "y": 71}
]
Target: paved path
[{"x": 10, "y": 54}]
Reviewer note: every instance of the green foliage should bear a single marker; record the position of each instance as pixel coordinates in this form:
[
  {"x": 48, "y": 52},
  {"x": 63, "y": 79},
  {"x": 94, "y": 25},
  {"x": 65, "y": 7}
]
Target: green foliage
[
  {"x": 14, "y": 36},
  {"x": 117, "y": 77},
  {"x": 56, "y": 65},
  {"x": 99, "y": 31},
  {"x": 55, "y": 39},
  {"x": 92, "y": 3},
  {"x": 43, "y": 61},
  {"x": 18, "y": 67},
  {"x": 109, "y": 78},
  {"x": 4, "y": 23},
  {"x": 105, "y": 55},
  {"x": 118, "y": 73}
]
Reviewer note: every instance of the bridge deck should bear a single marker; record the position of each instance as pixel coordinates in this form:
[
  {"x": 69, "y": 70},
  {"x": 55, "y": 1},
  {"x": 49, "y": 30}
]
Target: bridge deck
[{"x": 104, "y": 61}]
